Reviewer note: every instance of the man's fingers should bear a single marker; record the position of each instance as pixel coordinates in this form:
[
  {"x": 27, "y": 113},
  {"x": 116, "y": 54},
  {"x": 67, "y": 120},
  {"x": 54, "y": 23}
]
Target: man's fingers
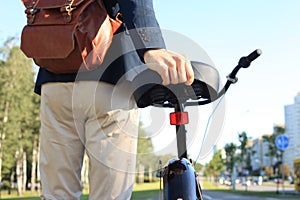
[
  {"x": 173, "y": 68},
  {"x": 164, "y": 74},
  {"x": 173, "y": 75},
  {"x": 181, "y": 70},
  {"x": 189, "y": 73},
  {"x": 162, "y": 70}
]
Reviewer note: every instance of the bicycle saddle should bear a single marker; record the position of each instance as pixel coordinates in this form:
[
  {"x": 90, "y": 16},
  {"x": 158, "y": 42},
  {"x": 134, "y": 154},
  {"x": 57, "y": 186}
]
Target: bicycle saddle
[{"x": 150, "y": 92}]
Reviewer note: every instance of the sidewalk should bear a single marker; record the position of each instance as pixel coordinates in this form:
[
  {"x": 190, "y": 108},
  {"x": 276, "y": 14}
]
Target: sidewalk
[
  {"x": 159, "y": 197},
  {"x": 266, "y": 188}
]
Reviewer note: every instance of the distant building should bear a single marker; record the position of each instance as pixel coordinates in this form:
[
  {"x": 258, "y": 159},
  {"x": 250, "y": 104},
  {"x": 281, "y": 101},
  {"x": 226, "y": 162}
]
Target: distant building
[
  {"x": 259, "y": 156},
  {"x": 292, "y": 131}
]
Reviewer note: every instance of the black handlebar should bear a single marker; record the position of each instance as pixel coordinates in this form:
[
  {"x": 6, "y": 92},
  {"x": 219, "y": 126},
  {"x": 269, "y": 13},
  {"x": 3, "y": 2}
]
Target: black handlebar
[
  {"x": 244, "y": 62},
  {"x": 255, "y": 54}
]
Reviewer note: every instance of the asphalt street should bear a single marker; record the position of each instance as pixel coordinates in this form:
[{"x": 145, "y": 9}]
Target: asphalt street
[
  {"x": 214, "y": 195},
  {"x": 217, "y": 195}
]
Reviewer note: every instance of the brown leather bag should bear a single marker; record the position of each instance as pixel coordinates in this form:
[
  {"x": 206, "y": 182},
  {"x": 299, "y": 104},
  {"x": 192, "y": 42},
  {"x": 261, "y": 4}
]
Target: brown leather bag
[{"x": 67, "y": 36}]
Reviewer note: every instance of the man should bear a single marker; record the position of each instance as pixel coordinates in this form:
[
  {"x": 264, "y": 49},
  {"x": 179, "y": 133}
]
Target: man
[{"x": 84, "y": 112}]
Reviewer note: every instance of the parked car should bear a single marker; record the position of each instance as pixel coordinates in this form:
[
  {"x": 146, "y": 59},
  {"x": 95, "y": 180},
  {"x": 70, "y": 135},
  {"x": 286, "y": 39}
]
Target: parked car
[
  {"x": 257, "y": 180},
  {"x": 225, "y": 180},
  {"x": 245, "y": 181},
  {"x": 222, "y": 180},
  {"x": 278, "y": 180},
  {"x": 228, "y": 182},
  {"x": 291, "y": 179}
]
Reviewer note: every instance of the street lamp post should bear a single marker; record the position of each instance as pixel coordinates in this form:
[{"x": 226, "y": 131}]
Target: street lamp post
[
  {"x": 282, "y": 171},
  {"x": 233, "y": 176},
  {"x": 282, "y": 143},
  {"x": 277, "y": 182}
]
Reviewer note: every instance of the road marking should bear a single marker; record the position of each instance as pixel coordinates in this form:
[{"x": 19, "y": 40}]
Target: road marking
[{"x": 206, "y": 197}]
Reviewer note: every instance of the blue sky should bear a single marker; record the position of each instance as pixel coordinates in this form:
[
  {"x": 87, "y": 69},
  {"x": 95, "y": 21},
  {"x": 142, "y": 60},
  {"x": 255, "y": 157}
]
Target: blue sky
[
  {"x": 230, "y": 29},
  {"x": 227, "y": 30}
]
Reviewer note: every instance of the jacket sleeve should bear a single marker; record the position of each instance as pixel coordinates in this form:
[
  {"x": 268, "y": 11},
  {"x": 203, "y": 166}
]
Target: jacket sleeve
[{"x": 139, "y": 18}]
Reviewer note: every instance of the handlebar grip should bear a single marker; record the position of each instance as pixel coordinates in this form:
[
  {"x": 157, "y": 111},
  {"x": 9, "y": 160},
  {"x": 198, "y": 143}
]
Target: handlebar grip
[
  {"x": 246, "y": 60},
  {"x": 255, "y": 54}
]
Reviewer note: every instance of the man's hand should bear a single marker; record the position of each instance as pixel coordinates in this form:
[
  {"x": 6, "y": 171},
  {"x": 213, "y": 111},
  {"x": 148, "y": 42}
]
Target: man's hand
[{"x": 173, "y": 68}]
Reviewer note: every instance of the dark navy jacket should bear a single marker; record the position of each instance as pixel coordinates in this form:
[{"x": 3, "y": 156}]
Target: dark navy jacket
[{"x": 139, "y": 32}]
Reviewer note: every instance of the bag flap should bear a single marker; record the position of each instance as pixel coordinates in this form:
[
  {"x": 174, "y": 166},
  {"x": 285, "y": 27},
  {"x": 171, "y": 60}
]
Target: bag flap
[
  {"x": 46, "y": 4},
  {"x": 42, "y": 42}
]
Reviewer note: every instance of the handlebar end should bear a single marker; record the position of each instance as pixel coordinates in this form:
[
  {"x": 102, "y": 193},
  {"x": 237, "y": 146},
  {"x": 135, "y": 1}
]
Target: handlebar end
[
  {"x": 255, "y": 54},
  {"x": 259, "y": 51},
  {"x": 245, "y": 61}
]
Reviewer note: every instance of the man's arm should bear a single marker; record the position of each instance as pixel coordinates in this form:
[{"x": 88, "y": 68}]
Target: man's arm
[{"x": 139, "y": 18}]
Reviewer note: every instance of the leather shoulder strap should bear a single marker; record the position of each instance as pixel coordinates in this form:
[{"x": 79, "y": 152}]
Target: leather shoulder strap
[{"x": 112, "y": 7}]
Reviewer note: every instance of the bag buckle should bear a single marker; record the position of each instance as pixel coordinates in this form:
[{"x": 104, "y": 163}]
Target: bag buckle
[
  {"x": 68, "y": 9},
  {"x": 30, "y": 12}
]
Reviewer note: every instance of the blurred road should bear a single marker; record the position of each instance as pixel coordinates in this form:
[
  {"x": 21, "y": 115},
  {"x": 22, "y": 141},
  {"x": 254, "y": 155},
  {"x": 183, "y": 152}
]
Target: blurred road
[
  {"x": 265, "y": 188},
  {"x": 214, "y": 195},
  {"x": 286, "y": 191},
  {"x": 217, "y": 195}
]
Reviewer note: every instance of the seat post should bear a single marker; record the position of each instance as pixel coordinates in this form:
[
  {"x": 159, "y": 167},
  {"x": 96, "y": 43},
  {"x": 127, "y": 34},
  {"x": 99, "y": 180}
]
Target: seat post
[{"x": 181, "y": 133}]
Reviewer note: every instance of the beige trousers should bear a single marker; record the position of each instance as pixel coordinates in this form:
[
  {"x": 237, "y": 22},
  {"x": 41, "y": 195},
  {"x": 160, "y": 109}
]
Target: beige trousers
[{"x": 92, "y": 117}]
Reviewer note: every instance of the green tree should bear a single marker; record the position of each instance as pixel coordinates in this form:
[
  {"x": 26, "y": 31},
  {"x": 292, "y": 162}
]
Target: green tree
[
  {"x": 18, "y": 116},
  {"x": 230, "y": 150},
  {"x": 145, "y": 150},
  {"x": 270, "y": 139},
  {"x": 272, "y": 150},
  {"x": 250, "y": 155},
  {"x": 147, "y": 160},
  {"x": 243, "y": 139},
  {"x": 215, "y": 166},
  {"x": 198, "y": 167}
]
